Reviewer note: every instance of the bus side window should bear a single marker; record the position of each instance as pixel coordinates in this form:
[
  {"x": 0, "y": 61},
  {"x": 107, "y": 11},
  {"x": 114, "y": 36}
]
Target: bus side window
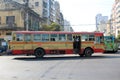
[
  {"x": 91, "y": 38},
  {"x": 62, "y": 37},
  {"x": 54, "y": 37},
  {"x": 45, "y": 37},
  {"x": 28, "y": 37},
  {"x": 84, "y": 37},
  {"x": 37, "y": 37},
  {"x": 69, "y": 37},
  {"x": 19, "y": 37}
]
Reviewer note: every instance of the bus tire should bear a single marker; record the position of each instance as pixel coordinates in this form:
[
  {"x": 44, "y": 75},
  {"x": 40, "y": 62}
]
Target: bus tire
[
  {"x": 88, "y": 52},
  {"x": 39, "y": 53}
]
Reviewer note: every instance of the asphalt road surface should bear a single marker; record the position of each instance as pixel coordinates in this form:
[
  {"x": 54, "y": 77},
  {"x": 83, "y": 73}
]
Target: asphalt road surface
[{"x": 59, "y": 67}]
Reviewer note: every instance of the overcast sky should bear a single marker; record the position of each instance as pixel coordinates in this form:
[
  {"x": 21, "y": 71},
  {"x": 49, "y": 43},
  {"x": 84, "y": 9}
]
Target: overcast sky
[{"x": 84, "y": 11}]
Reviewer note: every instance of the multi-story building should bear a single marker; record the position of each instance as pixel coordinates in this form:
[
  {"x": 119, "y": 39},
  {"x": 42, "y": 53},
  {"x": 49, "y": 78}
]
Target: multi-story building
[
  {"x": 113, "y": 20},
  {"x": 39, "y": 6},
  {"x": 49, "y": 10},
  {"x": 62, "y": 21},
  {"x": 101, "y": 22},
  {"x": 115, "y": 17},
  {"x": 13, "y": 17},
  {"x": 57, "y": 12}
]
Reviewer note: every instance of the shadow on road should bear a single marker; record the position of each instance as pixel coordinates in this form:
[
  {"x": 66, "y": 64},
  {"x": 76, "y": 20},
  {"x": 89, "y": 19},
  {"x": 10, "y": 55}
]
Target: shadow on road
[{"x": 49, "y": 58}]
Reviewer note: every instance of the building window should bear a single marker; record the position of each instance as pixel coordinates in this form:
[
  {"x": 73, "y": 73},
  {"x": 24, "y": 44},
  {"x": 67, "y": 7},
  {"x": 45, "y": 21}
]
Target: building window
[
  {"x": 8, "y": 33},
  {"x": 36, "y": 3},
  {"x": 44, "y": 4},
  {"x": 10, "y": 20},
  {"x": 44, "y": 13},
  {"x": 24, "y": 0}
]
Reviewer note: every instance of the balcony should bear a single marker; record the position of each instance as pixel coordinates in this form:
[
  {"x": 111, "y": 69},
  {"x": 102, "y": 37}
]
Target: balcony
[{"x": 11, "y": 26}]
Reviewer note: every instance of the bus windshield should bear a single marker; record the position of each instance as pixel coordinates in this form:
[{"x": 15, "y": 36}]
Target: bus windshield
[{"x": 109, "y": 38}]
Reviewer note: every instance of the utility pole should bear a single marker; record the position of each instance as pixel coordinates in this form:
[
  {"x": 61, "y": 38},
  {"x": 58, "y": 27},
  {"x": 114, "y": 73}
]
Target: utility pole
[{"x": 26, "y": 20}]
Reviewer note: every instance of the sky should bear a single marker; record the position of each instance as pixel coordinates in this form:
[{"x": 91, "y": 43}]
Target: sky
[{"x": 81, "y": 13}]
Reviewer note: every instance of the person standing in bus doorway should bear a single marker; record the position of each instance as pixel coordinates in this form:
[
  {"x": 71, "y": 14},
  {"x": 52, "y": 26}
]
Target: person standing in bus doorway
[{"x": 76, "y": 44}]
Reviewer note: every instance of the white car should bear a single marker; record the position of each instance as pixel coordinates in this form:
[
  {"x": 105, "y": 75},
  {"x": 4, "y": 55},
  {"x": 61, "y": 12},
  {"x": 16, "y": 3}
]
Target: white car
[{"x": 119, "y": 47}]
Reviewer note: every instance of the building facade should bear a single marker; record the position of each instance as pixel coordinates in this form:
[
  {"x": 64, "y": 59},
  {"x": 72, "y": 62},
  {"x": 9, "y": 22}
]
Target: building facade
[
  {"x": 49, "y": 10},
  {"x": 62, "y": 21},
  {"x": 115, "y": 17},
  {"x": 57, "y": 12},
  {"x": 13, "y": 18}
]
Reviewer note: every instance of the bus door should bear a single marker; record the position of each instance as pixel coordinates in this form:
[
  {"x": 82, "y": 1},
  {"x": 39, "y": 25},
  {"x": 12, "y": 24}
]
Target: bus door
[{"x": 76, "y": 44}]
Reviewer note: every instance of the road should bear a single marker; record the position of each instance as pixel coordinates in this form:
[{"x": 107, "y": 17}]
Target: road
[{"x": 68, "y": 67}]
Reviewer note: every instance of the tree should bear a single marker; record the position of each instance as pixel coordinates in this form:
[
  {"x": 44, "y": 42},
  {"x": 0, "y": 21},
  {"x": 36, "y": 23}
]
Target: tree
[
  {"x": 45, "y": 27},
  {"x": 52, "y": 27},
  {"x": 56, "y": 27}
]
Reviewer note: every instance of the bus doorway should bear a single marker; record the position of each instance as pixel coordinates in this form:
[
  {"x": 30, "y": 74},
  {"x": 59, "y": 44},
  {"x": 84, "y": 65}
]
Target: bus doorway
[{"x": 76, "y": 44}]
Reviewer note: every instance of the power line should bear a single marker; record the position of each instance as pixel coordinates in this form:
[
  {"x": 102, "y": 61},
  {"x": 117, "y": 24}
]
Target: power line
[
  {"x": 87, "y": 24},
  {"x": 80, "y": 25}
]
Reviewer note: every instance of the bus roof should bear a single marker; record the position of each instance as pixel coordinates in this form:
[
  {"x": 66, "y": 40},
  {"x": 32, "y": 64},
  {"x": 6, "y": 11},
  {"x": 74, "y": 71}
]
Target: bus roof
[{"x": 57, "y": 32}]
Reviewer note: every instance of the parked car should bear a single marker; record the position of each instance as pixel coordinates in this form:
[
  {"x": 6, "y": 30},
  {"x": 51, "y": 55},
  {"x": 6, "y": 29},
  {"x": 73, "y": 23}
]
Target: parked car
[{"x": 3, "y": 46}]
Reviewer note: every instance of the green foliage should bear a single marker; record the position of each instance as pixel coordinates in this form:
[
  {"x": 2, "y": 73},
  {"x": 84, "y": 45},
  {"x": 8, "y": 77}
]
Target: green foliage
[
  {"x": 52, "y": 27},
  {"x": 56, "y": 27},
  {"x": 45, "y": 27}
]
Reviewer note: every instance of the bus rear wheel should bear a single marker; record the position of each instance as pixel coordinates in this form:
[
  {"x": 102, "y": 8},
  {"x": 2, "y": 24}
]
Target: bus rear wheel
[
  {"x": 39, "y": 53},
  {"x": 88, "y": 52}
]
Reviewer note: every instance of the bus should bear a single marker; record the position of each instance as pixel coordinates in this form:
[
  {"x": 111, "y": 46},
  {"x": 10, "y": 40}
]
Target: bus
[
  {"x": 40, "y": 43},
  {"x": 111, "y": 44}
]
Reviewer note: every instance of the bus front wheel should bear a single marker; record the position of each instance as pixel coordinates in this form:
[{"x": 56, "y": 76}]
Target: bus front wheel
[
  {"x": 39, "y": 53},
  {"x": 88, "y": 52}
]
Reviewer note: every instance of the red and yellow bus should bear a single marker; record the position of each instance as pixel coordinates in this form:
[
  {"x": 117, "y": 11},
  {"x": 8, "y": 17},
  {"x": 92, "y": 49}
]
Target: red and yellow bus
[{"x": 40, "y": 43}]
